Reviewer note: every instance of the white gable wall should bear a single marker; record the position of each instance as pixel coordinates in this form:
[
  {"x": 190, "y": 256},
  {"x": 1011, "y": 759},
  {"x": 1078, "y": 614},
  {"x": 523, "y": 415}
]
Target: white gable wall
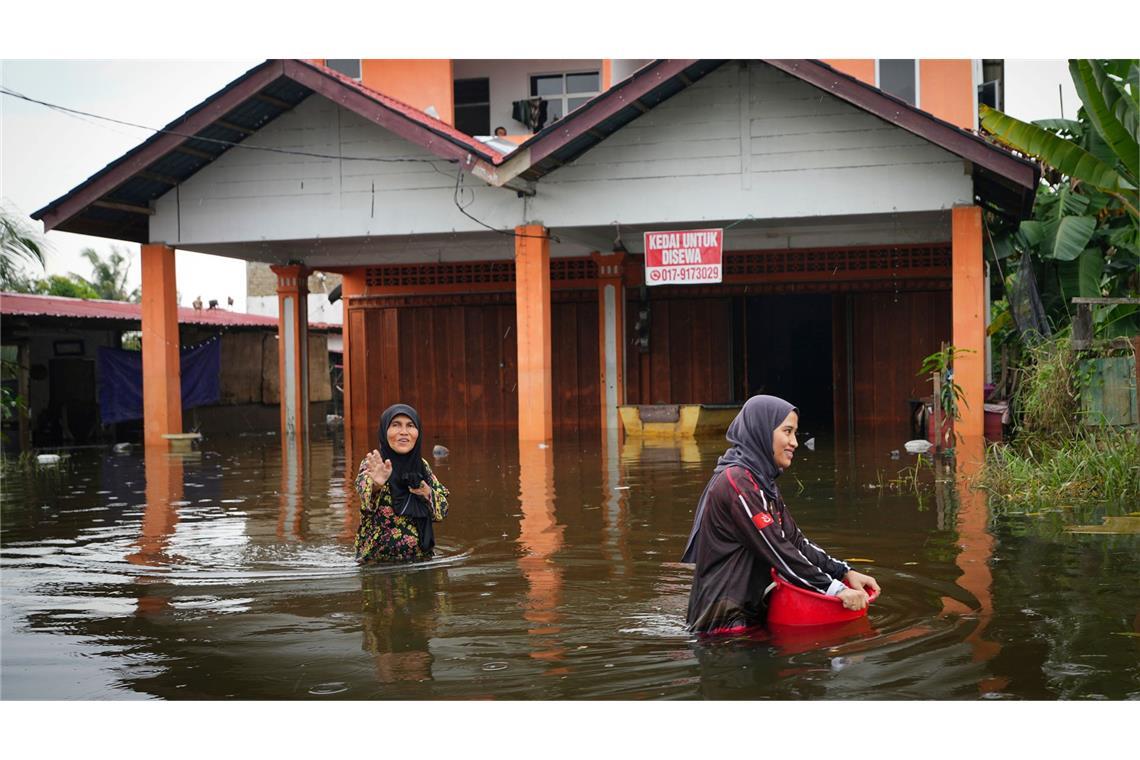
[
  {"x": 804, "y": 154},
  {"x": 253, "y": 195}
]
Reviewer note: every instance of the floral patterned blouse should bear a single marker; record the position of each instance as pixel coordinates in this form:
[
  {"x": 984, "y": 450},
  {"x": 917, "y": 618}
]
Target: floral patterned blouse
[{"x": 385, "y": 536}]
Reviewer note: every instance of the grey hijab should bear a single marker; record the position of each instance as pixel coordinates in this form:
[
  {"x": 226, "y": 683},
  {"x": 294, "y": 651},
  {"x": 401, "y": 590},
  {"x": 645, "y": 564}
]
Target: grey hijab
[{"x": 750, "y": 436}]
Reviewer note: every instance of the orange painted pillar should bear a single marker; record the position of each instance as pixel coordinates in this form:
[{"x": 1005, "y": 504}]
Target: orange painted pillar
[
  {"x": 611, "y": 332},
  {"x": 293, "y": 350},
  {"x": 352, "y": 284},
  {"x": 532, "y": 310},
  {"x": 969, "y": 320},
  {"x": 162, "y": 375}
]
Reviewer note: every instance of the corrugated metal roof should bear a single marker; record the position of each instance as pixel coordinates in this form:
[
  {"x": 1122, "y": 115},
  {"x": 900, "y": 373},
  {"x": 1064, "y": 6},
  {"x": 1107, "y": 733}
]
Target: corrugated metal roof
[{"x": 26, "y": 305}]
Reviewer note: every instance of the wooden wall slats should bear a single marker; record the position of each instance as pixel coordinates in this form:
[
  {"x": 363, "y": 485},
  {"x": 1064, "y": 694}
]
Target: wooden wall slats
[
  {"x": 892, "y": 334},
  {"x": 839, "y": 362},
  {"x": 689, "y": 359},
  {"x": 508, "y": 350},
  {"x": 458, "y": 364}
]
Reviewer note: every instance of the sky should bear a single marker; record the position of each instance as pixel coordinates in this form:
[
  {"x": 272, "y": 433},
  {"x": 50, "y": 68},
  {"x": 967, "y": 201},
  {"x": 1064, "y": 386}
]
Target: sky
[{"x": 44, "y": 153}]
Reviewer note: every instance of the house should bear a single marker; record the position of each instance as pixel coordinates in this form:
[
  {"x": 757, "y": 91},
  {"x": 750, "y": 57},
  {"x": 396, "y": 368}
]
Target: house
[
  {"x": 500, "y": 282},
  {"x": 57, "y": 347}
]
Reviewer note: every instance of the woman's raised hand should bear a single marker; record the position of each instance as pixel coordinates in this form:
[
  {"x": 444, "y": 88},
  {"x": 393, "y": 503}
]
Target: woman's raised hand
[{"x": 377, "y": 467}]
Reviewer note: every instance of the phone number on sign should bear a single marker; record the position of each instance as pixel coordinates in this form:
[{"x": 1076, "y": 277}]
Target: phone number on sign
[{"x": 681, "y": 274}]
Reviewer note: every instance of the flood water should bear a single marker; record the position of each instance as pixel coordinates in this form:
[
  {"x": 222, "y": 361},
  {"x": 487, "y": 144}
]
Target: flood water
[{"x": 225, "y": 574}]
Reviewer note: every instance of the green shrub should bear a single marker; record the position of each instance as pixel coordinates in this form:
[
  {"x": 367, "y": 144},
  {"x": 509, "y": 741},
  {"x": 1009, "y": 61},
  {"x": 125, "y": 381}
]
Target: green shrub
[{"x": 1101, "y": 465}]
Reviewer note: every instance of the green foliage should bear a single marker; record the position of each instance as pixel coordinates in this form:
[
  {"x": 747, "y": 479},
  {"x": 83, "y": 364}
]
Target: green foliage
[
  {"x": 942, "y": 362},
  {"x": 1067, "y": 157},
  {"x": 1084, "y": 237},
  {"x": 1094, "y": 467},
  {"x": 18, "y": 244},
  {"x": 108, "y": 279},
  {"x": 109, "y": 275},
  {"x": 1047, "y": 403},
  {"x": 1111, "y": 110},
  {"x": 1057, "y": 457},
  {"x": 70, "y": 286},
  {"x": 10, "y": 405}
]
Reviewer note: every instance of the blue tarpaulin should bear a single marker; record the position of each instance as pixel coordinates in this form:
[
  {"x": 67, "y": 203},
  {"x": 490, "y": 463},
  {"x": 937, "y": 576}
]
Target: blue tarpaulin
[{"x": 120, "y": 380}]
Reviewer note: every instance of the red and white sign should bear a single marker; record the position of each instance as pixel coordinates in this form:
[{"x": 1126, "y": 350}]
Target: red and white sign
[{"x": 683, "y": 257}]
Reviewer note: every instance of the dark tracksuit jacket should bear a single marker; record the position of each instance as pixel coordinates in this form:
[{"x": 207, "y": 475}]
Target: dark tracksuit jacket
[{"x": 743, "y": 535}]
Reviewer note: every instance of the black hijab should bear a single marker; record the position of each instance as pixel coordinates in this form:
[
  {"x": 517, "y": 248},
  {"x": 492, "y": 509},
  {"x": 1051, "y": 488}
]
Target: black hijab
[
  {"x": 407, "y": 469},
  {"x": 750, "y": 434}
]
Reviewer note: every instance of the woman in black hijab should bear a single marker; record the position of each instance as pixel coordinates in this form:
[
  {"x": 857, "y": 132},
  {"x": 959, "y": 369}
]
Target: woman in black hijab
[
  {"x": 742, "y": 529},
  {"x": 400, "y": 497}
]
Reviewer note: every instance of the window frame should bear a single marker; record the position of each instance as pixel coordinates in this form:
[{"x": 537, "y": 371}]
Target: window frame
[
  {"x": 486, "y": 106},
  {"x": 917, "y": 80},
  {"x": 359, "y": 68},
  {"x": 565, "y": 96}
]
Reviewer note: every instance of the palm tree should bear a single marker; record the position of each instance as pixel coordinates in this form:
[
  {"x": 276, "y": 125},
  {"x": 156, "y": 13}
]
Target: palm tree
[
  {"x": 18, "y": 243},
  {"x": 109, "y": 276}
]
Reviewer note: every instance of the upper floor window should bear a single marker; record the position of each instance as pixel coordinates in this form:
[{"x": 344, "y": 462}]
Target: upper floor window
[
  {"x": 350, "y": 67},
  {"x": 899, "y": 77},
  {"x": 565, "y": 92},
  {"x": 473, "y": 106}
]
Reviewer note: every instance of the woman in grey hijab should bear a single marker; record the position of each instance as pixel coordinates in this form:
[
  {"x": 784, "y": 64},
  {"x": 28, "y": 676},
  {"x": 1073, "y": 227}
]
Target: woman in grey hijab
[{"x": 742, "y": 529}]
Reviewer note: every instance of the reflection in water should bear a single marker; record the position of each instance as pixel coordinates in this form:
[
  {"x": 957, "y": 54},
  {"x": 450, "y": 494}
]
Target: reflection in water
[
  {"x": 396, "y": 607},
  {"x": 977, "y": 546},
  {"x": 614, "y": 505},
  {"x": 294, "y": 460},
  {"x": 164, "y": 487},
  {"x": 790, "y": 639},
  {"x": 540, "y": 537},
  {"x": 680, "y": 450}
]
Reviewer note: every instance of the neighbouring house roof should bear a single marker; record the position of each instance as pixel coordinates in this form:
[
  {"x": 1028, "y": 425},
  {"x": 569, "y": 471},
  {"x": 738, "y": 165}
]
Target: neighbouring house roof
[
  {"x": 116, "y": 202},
  {"x": 26, "y": 305}
]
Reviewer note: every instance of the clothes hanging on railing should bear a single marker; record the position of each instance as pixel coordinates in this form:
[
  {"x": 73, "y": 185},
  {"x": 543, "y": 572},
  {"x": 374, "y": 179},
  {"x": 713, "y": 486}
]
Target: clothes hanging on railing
[{"x": 532, "y": 112}]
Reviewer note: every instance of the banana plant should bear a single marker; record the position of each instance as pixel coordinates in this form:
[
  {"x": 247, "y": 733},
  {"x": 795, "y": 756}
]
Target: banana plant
[{"x": 1085, "y": 233}]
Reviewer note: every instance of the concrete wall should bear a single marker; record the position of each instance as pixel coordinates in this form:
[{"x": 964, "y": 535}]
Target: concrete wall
[{"x": 261, "y": 281}]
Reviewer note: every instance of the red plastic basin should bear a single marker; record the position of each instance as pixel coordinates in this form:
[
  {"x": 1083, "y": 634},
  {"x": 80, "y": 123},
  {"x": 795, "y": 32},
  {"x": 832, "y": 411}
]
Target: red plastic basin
[{"x": 791, "y": 605}]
